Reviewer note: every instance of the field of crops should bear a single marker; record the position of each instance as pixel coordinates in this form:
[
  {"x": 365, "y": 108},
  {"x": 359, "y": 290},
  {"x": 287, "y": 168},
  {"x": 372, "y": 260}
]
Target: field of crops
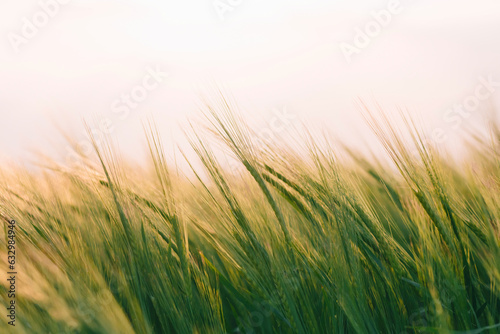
[{"x": 317, "y": 240}]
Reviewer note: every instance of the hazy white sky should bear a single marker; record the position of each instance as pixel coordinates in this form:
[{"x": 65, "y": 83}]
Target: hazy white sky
[{"x": 428, "y": 56}]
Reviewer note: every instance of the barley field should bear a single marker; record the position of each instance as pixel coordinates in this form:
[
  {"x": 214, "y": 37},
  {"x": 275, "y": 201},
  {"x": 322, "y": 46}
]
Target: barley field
[{"x": 316, "y": 240}]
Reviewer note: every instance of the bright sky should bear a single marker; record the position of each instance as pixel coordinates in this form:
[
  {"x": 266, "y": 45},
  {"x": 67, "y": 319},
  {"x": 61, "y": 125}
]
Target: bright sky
[{"x": 89, "y": 55}]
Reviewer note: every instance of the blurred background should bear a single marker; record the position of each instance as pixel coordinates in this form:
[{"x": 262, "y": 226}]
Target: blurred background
[{"x": 116, "y": 63}]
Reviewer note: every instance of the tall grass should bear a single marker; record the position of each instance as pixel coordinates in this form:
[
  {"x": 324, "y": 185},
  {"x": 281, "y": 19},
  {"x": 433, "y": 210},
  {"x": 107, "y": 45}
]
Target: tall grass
[{"x": 299, "y": 242}]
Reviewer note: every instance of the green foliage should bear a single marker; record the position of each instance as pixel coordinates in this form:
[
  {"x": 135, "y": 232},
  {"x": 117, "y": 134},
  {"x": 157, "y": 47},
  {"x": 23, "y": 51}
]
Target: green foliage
[{"x": 300, "y": 242}]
